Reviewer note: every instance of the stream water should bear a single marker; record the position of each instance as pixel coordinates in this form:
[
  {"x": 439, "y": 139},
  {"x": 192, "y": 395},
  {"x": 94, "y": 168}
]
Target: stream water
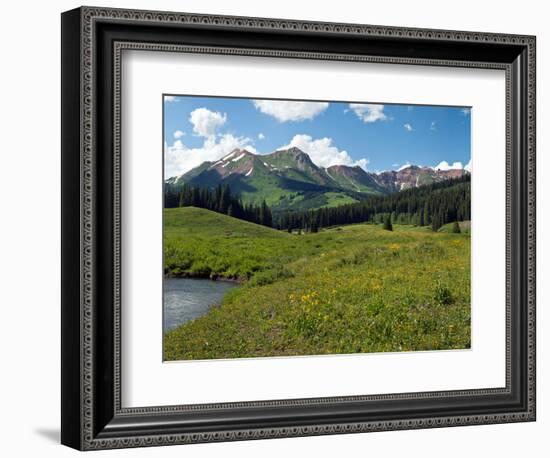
[{"x": 188, "y": 298}]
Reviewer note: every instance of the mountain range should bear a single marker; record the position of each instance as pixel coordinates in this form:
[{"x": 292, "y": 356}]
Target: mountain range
[{"x": 288, "y": 179}]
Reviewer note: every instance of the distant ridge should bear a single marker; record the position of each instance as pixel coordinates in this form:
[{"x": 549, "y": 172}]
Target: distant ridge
[{"x": 289, "y": 179}]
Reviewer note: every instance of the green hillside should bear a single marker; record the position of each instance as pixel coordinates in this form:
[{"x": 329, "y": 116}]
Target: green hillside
[
  {"x": 347, "y": 289},
  {"x": 202, "y": 243},
  {"x": 190, "y": 221}
]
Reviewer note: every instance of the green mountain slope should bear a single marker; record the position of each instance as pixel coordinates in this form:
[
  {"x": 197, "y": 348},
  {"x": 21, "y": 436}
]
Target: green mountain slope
[
  {"x": 289, "y": 180},
  {"x": 355, "y": 179},
  {"x": 285, "y": 179}
]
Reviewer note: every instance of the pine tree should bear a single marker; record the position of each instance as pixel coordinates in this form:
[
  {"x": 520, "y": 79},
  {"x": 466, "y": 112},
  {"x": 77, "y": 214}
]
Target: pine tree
[
  {"x": 387, "y": 223},
  {"x": 456, "y": 228},
  {"x": 426, "y": 216},
  {"x": 182, "y": 202},
  {"x": 314, "y": 224},
  {"x": 219, "y": 200},
  {"x": 435, "y": 222},
  {"x": 265, "y": 215}
]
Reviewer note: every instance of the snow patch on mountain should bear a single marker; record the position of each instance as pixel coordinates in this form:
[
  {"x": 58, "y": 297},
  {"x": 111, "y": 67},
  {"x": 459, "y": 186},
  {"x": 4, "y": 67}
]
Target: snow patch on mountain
[
  {"x": 230, "y": 155},
  {"x": 238, "y": 158}
]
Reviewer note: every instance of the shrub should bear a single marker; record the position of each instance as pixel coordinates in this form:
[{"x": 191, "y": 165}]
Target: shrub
[
  {"x": 270, "y": 276},
  {"x": 442, "y": 294}
]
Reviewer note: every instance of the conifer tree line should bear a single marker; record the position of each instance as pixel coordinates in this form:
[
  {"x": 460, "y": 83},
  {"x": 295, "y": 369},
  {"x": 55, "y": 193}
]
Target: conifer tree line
[
  {"x": 430, "y": 205},
  {"x": 219, "y": 200}
]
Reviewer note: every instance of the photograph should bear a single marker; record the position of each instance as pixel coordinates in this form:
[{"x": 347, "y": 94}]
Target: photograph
[
  {"x": 268, "y": 232},
  {"x": 265, "y": 229},
  {"x": 299, "y": 227}
]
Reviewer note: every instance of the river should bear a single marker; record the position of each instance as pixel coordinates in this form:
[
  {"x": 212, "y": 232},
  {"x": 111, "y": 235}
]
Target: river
[{"x": 188, "y": 298}]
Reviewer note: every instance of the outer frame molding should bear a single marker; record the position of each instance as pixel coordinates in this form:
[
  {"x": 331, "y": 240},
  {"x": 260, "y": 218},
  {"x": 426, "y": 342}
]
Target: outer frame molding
[{"x": 92, "y": 40}]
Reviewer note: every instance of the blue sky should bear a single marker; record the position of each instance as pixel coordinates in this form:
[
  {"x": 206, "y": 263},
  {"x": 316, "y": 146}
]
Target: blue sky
[{"x": 377, "y": 137}]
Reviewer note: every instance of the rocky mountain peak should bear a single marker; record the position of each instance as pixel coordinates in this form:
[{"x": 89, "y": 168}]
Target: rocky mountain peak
[{"x": 293, "y": 168}]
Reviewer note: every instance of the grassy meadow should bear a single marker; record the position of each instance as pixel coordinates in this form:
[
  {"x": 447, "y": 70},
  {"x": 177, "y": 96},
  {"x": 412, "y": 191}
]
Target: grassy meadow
[{"x": 348, "y": 289}]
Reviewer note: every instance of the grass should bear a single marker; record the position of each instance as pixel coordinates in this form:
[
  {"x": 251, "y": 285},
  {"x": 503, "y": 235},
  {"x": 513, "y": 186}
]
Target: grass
[
  {"x": 464, "y": 227},
  {"x": 348, "y": 289},
  {"x": 201, "y": 243}
]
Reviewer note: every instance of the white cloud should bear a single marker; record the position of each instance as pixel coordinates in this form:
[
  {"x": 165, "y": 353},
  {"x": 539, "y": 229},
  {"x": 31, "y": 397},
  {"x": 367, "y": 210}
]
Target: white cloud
[
  {"x": 368, "y": 112},
  {"x": 468, "y": 166},
  {"x": 404, "y": 166},
  {"x": 178, "y": 134},
  {"x": 465, "y": 111},
  {"x": 170, "y": 98},
  {"x": 287, "y": 110},
  {"x": 444, "y": 165},
  {"x": 178, "y": 158},
  {"x": 322, "y": 152},
  {"x": 206, "y": 122},
  {"x": 363, "y": 163},
  {"x": 433, "y": 125},
  {"x": 408, "y": 127},
  {"x": 261, "y": 136}
]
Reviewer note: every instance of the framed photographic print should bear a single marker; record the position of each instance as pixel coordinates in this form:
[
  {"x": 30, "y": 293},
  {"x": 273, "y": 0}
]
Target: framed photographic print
[{"x": 278, "y": 228}]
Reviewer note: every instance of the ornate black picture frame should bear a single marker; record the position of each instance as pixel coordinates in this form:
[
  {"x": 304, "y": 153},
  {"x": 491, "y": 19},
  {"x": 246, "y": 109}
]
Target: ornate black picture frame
[{"x": 92, "y": 42}]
